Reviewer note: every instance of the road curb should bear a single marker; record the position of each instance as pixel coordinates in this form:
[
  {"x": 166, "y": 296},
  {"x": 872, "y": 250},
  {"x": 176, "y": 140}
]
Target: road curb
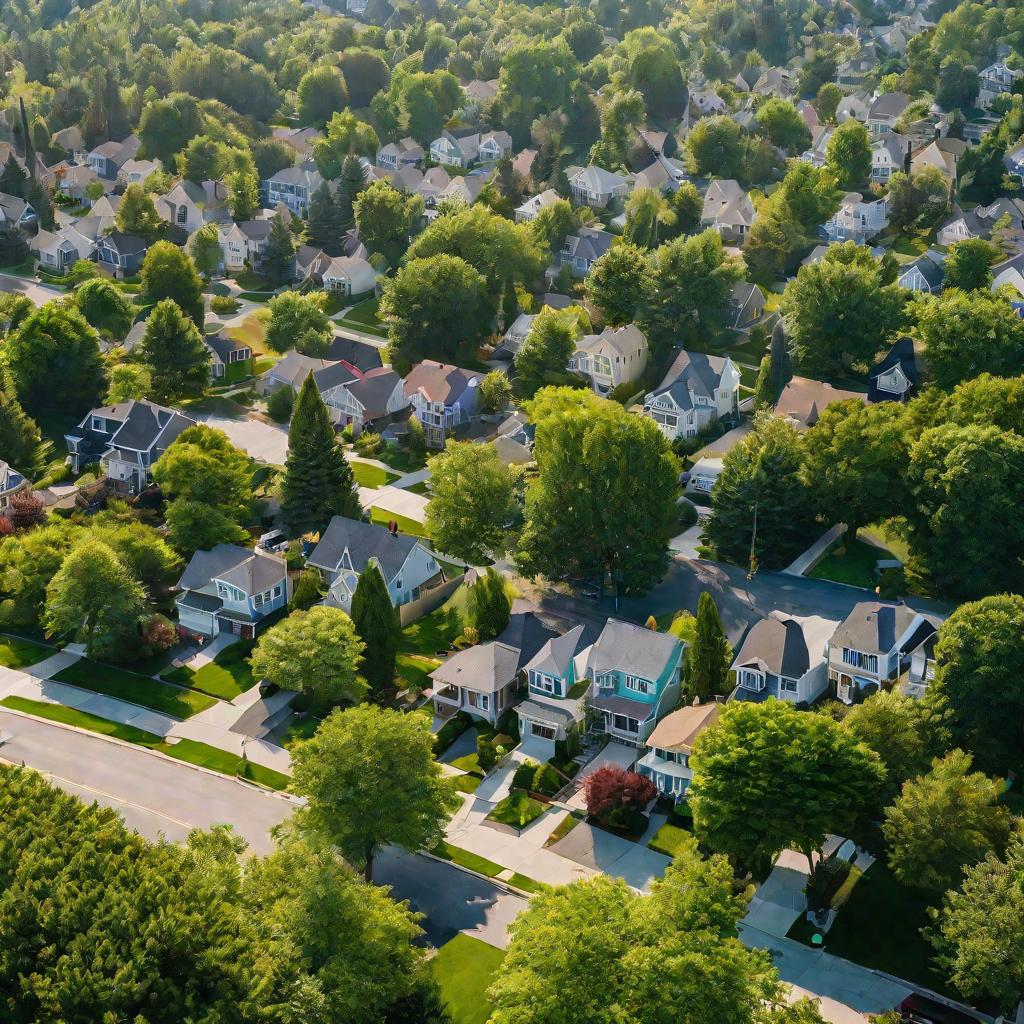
[{"x": 497, "y": 882}]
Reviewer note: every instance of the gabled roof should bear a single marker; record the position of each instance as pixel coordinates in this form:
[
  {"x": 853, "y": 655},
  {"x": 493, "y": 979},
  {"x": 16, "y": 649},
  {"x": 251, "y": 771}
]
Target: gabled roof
[
  {"x": 294, "y": 368},
  {"x": 677, "y": 732},
  {"x": 438, "y": 382},
  {"x": 363, "y": 542},
  {"x": 528, "y": 633},
  {"x": 359, "y": 354},
  {"x": 374, "y": 389},
  {"x": 930, "y": 266},
  {"x": 776, "y": 645},
  {"x": 888, "y": 106},
  {"x": 902, "y": 355},
  {"x": 142, "y": 426},
  {"x": 223, "y": 345},
  {"x": 597, "y": 179},
  {"x": 334, "y": 375},
  {"x": 627, "y": 647},
  {"x": 691, "y": 373},
  {"x": 804, "y": 400},
  {"x": 874, "y": 627},
  {"x": 588, "y": 243},
  {"x": 125, "y": 244},
  {"x": 556, "y": 655},
  {"x": 250, "y": 571},
  {"x": 624, "y": 341},
  {"x": 10, "y": 478},
  {"x": 484, "y": 668},
  {"x": 726, "y": 202}
]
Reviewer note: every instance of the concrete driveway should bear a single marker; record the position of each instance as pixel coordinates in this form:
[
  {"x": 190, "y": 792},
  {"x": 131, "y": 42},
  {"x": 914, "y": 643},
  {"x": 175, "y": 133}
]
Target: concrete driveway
[
  {"x": 601, "y": 851},
  {"x": 780, "y": 899},
  {"x": 266, "y": 442}
]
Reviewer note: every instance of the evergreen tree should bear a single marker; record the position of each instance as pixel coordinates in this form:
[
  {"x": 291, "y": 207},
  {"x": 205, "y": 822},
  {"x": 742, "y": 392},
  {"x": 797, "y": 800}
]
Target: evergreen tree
[
  {"x": 764, "y": 388},
  {"x": 318, "y": 481},
  {"x": 173, "y": 349},
  {"x": 39, "y": 199},
  {"x": 782, "y": 364},
  {"x": 280, "y": 251},
  {"x": 13, "y": 178},
  {"x": 323, "y": 228},
  {"x": 377, "y": 623},
  {"x": 707, "y": 666},
  {"x": 489, "y": 606},
  {"x": 353, "y": 181},
  {"x": 14, "y": 248},
  {"x": 20, "y": 439},
  {"x": 26, "y": 139}
]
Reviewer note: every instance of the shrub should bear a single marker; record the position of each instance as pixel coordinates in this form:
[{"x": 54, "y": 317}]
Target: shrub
[
  {"x": 611, "y": 787},
  {"x": 307, "y": 590},
  {"x": 523, "y": 777},
  {"x": 509, "y": 724},
  {"x": 486, "y": 753},
  {"x": 567, "y": 749},
  {"x": 626, "y": 819},
  {"x": 829, "y": 874},
  {"x": 368, "y": 443},
  {"x": 224, "y": 304},
  {"x": 159, "y": 634},
  {"x": 280, "y": 403},
  {"x": 451, "y": 731},
  {"x": 891, "y": 584},
  {"x": 545, "y": 780},
  {"x": 687, "y": 514}
]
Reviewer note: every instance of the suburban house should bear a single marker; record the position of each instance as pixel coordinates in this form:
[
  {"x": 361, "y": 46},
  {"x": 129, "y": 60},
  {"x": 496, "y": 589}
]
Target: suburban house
[
  {"x": 348, "y": 547},
  {"x": 136, "y": 172},
  {"x": 996, "y": 80},
  {"x": 243, "y": 243},
  {"x": 442, "y": 397},
  {"x": 120, "y": 253},
  {"x": 896, "y": 376},
  {"x": 292, "y": 187},
  {"x": 404, "y": 153},
  {"x": 230, "y": 589},
  {"x": 554, "y": 707},
  {"x": 746, "y": 305},
  {"x": 583, "y": 249},
  {"x": 885, "y": 111},
  {"x": 981, "y": 223},
  {"x": 925, "y": 274},
  {"x": 705, "y": 102},
  {"x": 70, "y": 140},
  {"x": 302, "y": 140},
  {"x": 11, "y": 483},
  {"x": 853, "y": 107},
  {"x": 804, "y": 400},
  {"x": 697, "y": 390},
  {"x": 190, "y": 206},
  {"x": 871, "y": 645},
  {"x": 290, "y": 371},
  {"x": 1014, "y": 163},
  {"x": 360, "y": 354},
  {"x": 778, "y": 81},
  {"x": 634, "y": 673},
  {"x": 465, "y": 187},
  {"x": 230, "y": 359},
  {"x": 126, "y": 439},
  {"x": 1009, "y": 273},
  {"x": 74, "y": 180},
  {"x": 618, "y": 355},
  {"x": 890, "y": 153},
  {"x": 783, "y": 657},
  {"x": 349, "y": 275},
  {"x": 728, "y": 208},
  {"x": 856, "y": 220},
  {"x": 356, "y": 398},
  {"x": 58, "y": 250},
  {"x": 594, "y": 186},
  {"x": 15, "y": 210},
  {"x": 455, "y": 151},
  {"x": 532, "y": 206},
  {"x": 108, "y": 158},
  {"x": 943, "y": 154},
  {"x": 667, "y": 761},
  {"x": 493, "y": 146},
  {"x": 921, "y": 672},
  {"x": 479, "y": 92},
  {"x": 513, "y": 338}
]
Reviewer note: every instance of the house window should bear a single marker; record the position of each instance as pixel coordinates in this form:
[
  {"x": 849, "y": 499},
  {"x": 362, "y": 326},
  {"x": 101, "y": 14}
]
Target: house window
[
  {"x": 543, "y": 683},
  {"x": 226, "y": 592},
  {"x": 788, "y": 685},
  {"x": 868, "y": 662},
  {"x": 100, "y": 424},
  {"x": 625, "y": 724},
  {"x": 639, "y": 685},
  {"x": 545, "y": 732},
  {"x": 750, "y": 680},
  {"x": 182, "y": 214}
]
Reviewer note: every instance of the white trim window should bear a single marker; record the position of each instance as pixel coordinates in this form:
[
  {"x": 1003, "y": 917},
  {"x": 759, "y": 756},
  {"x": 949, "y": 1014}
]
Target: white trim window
[
  {"x": 867, "y": 662},
  {"x": 751, "y": 680},
  {"x": 788, "y": 686},
  {"x": 639, "y": 685},
  {"x": 625, "y": 724},
  {"x": 226, "y": 592},
  {"x": 544, "y": 683}
]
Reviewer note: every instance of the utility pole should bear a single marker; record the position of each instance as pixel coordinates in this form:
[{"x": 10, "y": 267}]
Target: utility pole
[{"x": 753, "y": 552}]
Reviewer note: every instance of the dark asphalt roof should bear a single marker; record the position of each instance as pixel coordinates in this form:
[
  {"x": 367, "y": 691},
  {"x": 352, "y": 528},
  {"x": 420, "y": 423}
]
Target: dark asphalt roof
[{"x": 363, "y": 541}]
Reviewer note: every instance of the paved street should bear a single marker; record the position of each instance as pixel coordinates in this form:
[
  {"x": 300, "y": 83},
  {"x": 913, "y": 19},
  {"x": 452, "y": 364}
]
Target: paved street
[
  {"x": 155, "y": 795},
  {"x": 38, "y": 293},
  {"x": 266, "y": 442}
]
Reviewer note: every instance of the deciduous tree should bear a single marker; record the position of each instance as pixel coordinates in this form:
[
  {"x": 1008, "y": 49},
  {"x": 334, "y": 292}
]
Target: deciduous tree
[
  {"x": 969, "y": 265},
  {"x": 619, "y": 283},
  {"x": 386, "y": 218},
  {"x": 321, "y": 94},
  {"x": 544, "y": 355},
  {"x": 848, "y": 155},
  {"x": 169, "y": 273},
  {"x": 297, "y": 321}
]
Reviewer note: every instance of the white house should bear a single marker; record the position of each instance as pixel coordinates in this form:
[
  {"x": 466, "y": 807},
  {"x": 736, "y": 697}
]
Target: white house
[
  {"x": 890, "y": 153},
  {"x": 885, "y": 111},
  {"x": 406, "y": 152},
  {"x": 532, "y": 206},
  {"x": 58, "y": 250},
  {"x": 596, "y": 187},
  {"x": 697, "y": 390},
  {"x": 11, "y": 482},
  {"x": 996, "y": 79},
  {"x": 243, "y": 243},
  {"x": 230, "y": 589},
  {"x": 443, "y": 398},
  {"x": 704, "y": 474},
  {"x": 358, "y": 398},
  {"x": 857, "y": 220},
  {"x": 136, "y": 172},
  {"x": 493, "y": 146},
  {"x": 618, "y": 355},
  {"x": 348, "y": 547},
  {"x": 190, "y": 206},
  {"x": 728, "y": 208},
  {"x": 349, "y": 275},
  {"x": 854, "y": 107},
  {"x": 454, "y": 151}
]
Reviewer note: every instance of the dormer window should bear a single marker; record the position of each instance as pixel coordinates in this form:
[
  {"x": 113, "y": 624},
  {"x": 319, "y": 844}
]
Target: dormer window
[
  {"x": 639, "y": 685},
  {"x": 751, "y": 680},
  {"x": 99, "y": 424},
  {"x": 226, "y": 592}
]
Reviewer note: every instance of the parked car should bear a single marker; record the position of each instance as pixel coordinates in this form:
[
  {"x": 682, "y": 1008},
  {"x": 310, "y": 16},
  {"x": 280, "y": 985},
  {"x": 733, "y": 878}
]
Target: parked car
[
  {"x": 918, "y": 1009},
  {"x": 274, "y": 540}
]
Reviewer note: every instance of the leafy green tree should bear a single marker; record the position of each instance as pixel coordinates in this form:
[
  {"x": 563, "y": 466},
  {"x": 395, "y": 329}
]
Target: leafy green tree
[
  {"x": 173, "y": 349},
  {"x": 318, "y": 482},
  {"x": 321, "y": 95},
  {"x": 969, "y": 265},
  {"x": 905, "y": 733},
  {"x": 495, "y": 392},
  {"x": 366, "y": 73},
  {"x": 243, "y": 185},
  {"x": 415, "y": 438},
  {"x": 53, "y": 357},
  {"x": 323, "y": 225},
  {"x": 435, "y": 308},
  {"x": 544, "y": 356},
  {"x": 488, "y": 605},
  {"x": 782, "y": 124},
  {"x": 473, "y": 498},
  {"x": 141, "y": 548},
  {"x": 29, "y": 562},
  {"x": 768, "y": 777},
  {"x": 129, "y": 381},
  {"x": 963, "y": 485},
  {"x": 20, "y": 438},
  {"x": 943, "y": 822},
  {"x": 958, "y": 84},
  {"x": 616, "y": 527},
  {"x": 709, "y": 656},
  {"x": 967, "y": 332},
  {"x": 279, "y": 253},
  {"x": 280, "y": 404},
  {"x": 535, "y": 78},
  {"x": 622, "y": 115},
  {"x": 136, "y": 213},
  {"x": 378, "y": 625},
  {"x": 386, "y": 218},
  {"x": 297, "y": 320},
  {"x": 839, "y": 311},
  {"x": 827, "y": 101},
  {"x": 94, "y": 596},
  {"x": 196, "y": 526},
  {"x": 169, "y": 273},
  {"x": 205, "y": 250},
  {"x": 977, "y": 933},
  {"x": 271, "y": 156},
  {"x": 346, "y": 136},
  {"x": 670, "y": 955},
  {"x": 352, "y": 182},
  {"x": 761, "y": 476},
  {"x": 688, "y": 205},
  {"x": 848, "y": 155},
  {"x": 168, "y": 125},
  {"x": 341, "y": 772},
  {"x": 14, "y": 248},
  {"x": 649, "y": 218},
  {"x": 619, "y": 283},
  {"x": 917, "y": 201},
  {"x": 853, "y": 460},
  {"x": 715, "y": 148},
  {"x": 653, "y": 68},
  {"x": 980, "y": 679},
  {"x": 318, "y": 652},
  {"x": 691, "y": 280}
]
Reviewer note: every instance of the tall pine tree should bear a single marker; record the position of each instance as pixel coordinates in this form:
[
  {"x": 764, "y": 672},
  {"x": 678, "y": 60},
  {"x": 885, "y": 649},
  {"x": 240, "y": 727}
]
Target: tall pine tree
[
  {"x": 173, "y": 349},
  {"x": 377, "y": 623},
  {"x": 707, "y": 666},
  {"x": 351, "y": 183},
  {"x": 279, "y": 252},
  {"x": 318, "y": 481},
  {"x": 323, "y": 227},
  {"x": 13, "y": 178}
]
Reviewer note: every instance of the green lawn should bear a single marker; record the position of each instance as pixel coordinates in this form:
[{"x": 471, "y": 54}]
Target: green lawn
[
  {"x": 468, "y": 763},
  {"x": 466, "y": 783},
  {"x": 465, "y": 859},
  {"x": 854, "y": 565},
  {"x": 226, "y": 676},
  {"x": 363, "y": 317},
  {"x": 368, "y": 475},
  {"x": 669, "y": 839},
  {"x": 299, "y": 729},
  {"x": 149, "y": 693},
  {"x": 415, "y": 670},
  {"x": 223, "y": 761},
  {"x": 398, "y": 459},
  {"x": 422, "y": 488},
  {"x": 528, "y": 884},
  {"x": 82, "y": 719},
  {"x": 518, "y": 809},
  {"x": 18, "y": 653},
  {"x": 405, "y": 525},
  {"x": 436, "y": 631},
  {"x": 464, "y": 969},
  {"x": 880, "y": 927}
]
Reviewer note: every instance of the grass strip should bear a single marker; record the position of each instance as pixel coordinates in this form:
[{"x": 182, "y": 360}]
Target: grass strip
[
  {"x": 83, "y": 720},
  {"x": 129, "y": 686},
  {"x": 465, "y": 859}
]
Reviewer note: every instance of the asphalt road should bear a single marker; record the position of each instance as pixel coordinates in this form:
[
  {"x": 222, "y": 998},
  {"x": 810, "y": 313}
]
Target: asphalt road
[
  {"x": 38, "y": 293},
  {"x": 156, "y": 796},
  {"x": 741, "y": 602}
]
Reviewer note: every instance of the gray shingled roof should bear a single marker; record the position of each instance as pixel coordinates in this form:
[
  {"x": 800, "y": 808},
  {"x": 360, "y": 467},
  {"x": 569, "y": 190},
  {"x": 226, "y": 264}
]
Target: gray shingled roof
[
  {"x": 777, "y": 646},
  {"x": 554, "y": 657},
  {"x": 691, "y": 373},
  {"x": 627, "y": 647},
  {"x": 484, "y": 668},
  {"x": 528, "y": 634},
  {"x": 873, "y": 627},
  {"x": 363, "y": 542},
  {"x": 250, "y": 571}
]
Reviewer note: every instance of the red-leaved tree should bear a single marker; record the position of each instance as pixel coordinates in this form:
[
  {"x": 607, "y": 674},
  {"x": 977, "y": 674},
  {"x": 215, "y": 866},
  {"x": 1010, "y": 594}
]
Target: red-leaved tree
[{"x": 611, "y": 787}]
